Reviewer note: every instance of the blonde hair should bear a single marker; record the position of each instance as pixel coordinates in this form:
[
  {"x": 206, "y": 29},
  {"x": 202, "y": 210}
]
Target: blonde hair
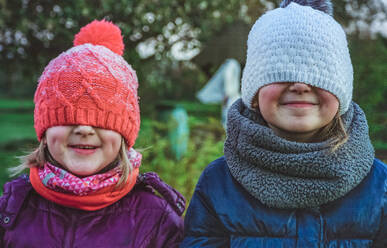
[
  {"x": 40, "y": 156},
  {"x": 334, "y": 132}
]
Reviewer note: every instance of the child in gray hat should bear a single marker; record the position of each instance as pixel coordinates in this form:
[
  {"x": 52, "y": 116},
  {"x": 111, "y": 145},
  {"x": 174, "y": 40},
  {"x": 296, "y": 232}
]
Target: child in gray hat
[{"x": 298, "y": 167}]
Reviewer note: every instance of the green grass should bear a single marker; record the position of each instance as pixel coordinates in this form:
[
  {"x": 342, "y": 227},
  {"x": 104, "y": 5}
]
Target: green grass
[
  {"x": 16, "y": 104},
  {"x": 17, "y": 133},
  {"x": 16, "y": 120},
  {"x": 16, "y": 126}
]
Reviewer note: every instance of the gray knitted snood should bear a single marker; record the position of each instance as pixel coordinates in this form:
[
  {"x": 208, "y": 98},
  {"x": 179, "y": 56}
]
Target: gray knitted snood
[{"x": 286, "y": 174}]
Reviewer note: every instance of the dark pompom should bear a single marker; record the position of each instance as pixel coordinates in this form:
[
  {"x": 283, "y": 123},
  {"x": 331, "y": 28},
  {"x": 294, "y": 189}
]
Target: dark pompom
[{"x": 322, "y": 5}]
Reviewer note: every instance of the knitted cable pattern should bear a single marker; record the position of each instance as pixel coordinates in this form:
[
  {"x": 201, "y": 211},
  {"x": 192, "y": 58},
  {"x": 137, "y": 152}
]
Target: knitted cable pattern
[{"x": 89, "y": 84}]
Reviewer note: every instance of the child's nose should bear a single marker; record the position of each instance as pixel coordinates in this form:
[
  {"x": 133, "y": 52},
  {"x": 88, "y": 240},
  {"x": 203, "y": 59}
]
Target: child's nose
[
  {"x": 84, "y": 130},
  {"x": 300, "y": 88}
]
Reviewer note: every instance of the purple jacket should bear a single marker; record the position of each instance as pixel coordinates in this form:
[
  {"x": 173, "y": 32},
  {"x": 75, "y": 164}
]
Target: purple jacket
[{"x": 140, "y": 219}]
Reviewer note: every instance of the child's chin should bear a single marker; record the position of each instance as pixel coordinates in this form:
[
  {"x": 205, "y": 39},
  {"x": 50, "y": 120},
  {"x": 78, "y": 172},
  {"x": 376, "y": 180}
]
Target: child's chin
[{"x": 83, "y": 172}]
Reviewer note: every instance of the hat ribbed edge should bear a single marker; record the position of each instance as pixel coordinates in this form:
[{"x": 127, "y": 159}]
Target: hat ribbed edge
[{"x": 67, "y": 115}]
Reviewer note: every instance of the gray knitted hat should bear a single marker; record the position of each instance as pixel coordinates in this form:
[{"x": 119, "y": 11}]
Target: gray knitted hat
[{"x": 299, "y": 42}]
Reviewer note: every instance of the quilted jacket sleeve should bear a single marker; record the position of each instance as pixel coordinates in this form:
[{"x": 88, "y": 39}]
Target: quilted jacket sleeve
[
  {"x": 170, "y": 228},
  {"x": 170, "y": 231},
  {"x": 1, "y": 238},
  {"x": 2, "y": 203},
  {"x": 14, "y": 194},
  {"x": 381, "y": 238},
  {"x": 202, "y": 226}
]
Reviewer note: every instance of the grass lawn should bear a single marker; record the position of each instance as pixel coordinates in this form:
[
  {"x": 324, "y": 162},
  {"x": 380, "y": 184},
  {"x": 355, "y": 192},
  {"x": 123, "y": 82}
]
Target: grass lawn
[
  {"x": 17, "y": 133},
  {"x": 16, "y": 126},
  {"x": 16, "y": 104}
]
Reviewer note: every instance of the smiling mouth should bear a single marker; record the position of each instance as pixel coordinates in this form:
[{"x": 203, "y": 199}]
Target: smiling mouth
[
  {"x": 299, "y": 104},
  {"x": 84, "y": 150},
  {"x": 87, "y": 147}
]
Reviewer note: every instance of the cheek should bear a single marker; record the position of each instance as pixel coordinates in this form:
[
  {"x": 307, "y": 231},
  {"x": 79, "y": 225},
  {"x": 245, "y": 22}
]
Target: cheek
[
  {"x": 269, "y": 95},
  {"x": 57, "y": 134},
  {"x": 57, "y": 138},
  {"x": 113, "y": 139},
  {"x": 330, "y": 103},
  {"x": 116, "y": 145},
  {"x": 55, "y": 146},
  {"x": 54, "y": 143},
  {"x": 54, "y": 139}
]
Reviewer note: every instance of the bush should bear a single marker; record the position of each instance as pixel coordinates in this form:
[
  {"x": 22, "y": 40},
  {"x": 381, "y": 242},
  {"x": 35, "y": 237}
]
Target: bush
[{"x": 205, "y": 145}]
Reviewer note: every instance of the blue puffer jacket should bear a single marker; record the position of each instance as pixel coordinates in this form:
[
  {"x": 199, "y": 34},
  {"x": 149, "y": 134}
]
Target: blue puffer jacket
[{"x": 223, "y": 214}]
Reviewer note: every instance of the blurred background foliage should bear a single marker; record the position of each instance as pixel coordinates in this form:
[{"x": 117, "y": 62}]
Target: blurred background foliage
[{"x": 175, "y": 47}]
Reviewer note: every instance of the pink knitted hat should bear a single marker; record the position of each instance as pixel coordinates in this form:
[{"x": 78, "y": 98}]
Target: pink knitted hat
[{"x": 90, "y": 84}]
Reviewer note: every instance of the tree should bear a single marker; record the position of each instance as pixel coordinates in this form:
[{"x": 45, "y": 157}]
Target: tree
[{"x": 34, "y": 32}]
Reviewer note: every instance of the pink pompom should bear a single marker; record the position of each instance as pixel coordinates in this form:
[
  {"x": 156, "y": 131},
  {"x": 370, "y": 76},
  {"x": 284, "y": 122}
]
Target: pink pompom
[{"x": 102, "y": 33}]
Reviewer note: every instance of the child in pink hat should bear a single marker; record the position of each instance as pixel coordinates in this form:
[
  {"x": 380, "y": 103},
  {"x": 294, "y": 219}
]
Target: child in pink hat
[{"x": 84, "y": 188}]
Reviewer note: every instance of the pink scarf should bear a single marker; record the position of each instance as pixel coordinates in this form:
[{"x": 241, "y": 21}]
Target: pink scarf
[
  {"x": 64, "y": 188},
  {"x": 63, "y": 181}
]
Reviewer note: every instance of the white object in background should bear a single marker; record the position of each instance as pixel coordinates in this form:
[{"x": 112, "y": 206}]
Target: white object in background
[{"x": 223, "y": 87}]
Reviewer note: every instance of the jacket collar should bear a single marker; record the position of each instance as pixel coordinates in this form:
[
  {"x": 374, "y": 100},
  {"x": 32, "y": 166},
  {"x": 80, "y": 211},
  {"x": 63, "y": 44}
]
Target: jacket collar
[{"x": 172, "y": 196}]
